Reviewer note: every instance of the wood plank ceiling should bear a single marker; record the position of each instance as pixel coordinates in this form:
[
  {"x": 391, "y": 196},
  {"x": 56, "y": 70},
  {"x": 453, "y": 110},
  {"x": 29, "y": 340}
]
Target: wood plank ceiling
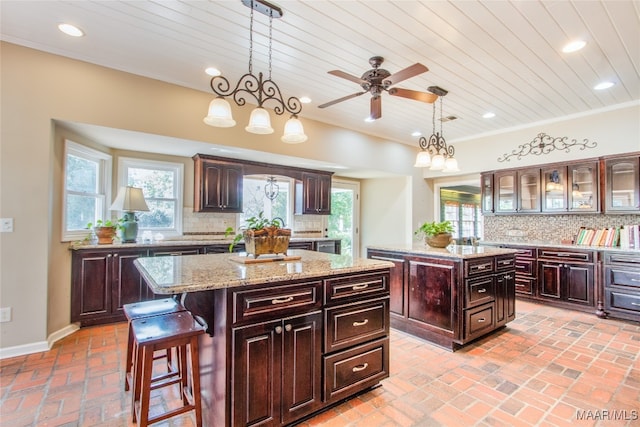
[{"x": 499, "y": 56}]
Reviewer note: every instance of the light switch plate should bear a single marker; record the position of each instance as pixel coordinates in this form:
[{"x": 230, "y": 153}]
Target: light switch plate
[
  {"x": 6, "y": 225},
  {"x": 5, "y": 314}
]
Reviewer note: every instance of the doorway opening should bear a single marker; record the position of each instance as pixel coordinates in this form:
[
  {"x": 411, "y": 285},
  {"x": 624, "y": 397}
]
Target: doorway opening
[{"x": 344, "y": 221}]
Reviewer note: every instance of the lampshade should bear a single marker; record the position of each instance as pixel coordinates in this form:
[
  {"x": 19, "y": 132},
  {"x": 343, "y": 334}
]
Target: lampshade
[
  {"x": 437, "y": 163},
  {"x": 451, "y": 165},
  {"x": 129, "y": 199},
  {"x": 423, "y": 160},
  {"x": 293, "y": 131},
  {"x": 219, "y": 114},
  {"x": 259, "y": 122}
]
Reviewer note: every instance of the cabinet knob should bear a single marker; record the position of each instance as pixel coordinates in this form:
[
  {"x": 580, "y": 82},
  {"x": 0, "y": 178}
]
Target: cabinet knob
[
  {"x": 482, "y": 320},
  {"x": 278, "y": 329},
  {"x": 482, "y": 291},
  {"x": 115, "y": 255},
  {"x": 287, "y": 327},
  {"x": 109, "y": 256}
]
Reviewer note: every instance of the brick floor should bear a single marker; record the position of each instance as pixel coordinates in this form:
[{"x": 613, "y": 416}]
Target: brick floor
[{"x": 549, "y": 367}]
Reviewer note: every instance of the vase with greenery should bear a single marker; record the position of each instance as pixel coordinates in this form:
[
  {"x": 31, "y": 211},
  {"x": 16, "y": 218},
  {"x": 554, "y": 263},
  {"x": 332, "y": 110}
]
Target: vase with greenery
[
  {"x": 262, "y": 236},
  {"x": 105, "y": 230},
  {"x": 436, "y": 234}
]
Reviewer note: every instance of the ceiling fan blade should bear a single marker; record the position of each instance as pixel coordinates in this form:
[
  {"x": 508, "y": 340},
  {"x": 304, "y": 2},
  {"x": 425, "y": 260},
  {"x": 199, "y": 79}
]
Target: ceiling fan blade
[
  {"x": 347, "y": 76},
  {"x": 412, "y": 70},
  {"x": 376, "y": 107},
  {"x": 344, "y": 98},
  {"x": 414, "y": 94}
]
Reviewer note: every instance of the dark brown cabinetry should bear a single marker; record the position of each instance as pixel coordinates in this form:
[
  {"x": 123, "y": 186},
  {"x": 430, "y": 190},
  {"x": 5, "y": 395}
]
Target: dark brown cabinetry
[
  {"x": 526, "y": 271},
  {"x": 175, "y": 251},
  {"x": 573, "y": 188},
  {"x": 449, "y": 301},
  {"x": 622, "y": 184},
  {"x": 218, "y": 186},
  {"x": 622, "y": 285},
  {"x": 486, "y": 187},
  {"x": 517, "y": 191},
  {"x": 313, "y": 194},
  {"x": 102, "y": 282},
  {"x": 566, "y": 276}
]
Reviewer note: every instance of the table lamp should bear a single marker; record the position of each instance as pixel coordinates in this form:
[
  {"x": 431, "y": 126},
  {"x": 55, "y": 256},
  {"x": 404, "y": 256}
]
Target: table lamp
[{"x": 129, "y": 200}]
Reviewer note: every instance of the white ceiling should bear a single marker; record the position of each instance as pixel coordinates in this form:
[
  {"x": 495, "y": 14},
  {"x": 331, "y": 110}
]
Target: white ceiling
[{"x": 499, "y": 56}]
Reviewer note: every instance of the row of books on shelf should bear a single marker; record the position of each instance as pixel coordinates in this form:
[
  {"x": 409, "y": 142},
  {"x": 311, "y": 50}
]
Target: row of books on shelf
[{"x": 625, "y": 237}]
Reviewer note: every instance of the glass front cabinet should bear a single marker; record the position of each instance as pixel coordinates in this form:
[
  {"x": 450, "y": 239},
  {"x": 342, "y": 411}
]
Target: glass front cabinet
[
  {"x": 486, "y": 180},
  {"x": 571, "y": 188},
  {"x": 517, "y": 191},
  {"x": 622, "y": 184}
]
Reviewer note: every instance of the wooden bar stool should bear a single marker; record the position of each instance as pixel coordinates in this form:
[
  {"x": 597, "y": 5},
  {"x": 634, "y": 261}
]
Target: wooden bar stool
[
  {"x": 140, "y": 310},
  {"x": 175, "y": 330}
]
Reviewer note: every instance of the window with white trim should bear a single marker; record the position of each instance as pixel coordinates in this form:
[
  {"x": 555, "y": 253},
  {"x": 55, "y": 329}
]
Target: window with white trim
[
  {"x": 161, "y": 184},
  {"x": 86, "y": 193}
]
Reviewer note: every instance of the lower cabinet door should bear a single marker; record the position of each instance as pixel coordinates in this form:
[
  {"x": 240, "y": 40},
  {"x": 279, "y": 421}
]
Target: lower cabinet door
[
  {"x": 352, "y": 370},
  {"x": 430, "y": 293},
  {"x": 128, "y": 286}
]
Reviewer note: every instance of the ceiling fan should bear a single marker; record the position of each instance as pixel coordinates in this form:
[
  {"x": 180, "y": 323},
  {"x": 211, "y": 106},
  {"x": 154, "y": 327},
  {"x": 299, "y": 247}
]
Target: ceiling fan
[{"x": 378, "y": 80}]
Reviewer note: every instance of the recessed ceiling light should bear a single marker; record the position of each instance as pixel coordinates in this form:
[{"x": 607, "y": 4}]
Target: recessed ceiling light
[
  {"x": 71, "y": 30},
  {"x": 369, "y": 119},
  {"x": 574, "y": 46},
  {"x": 488, "y": 115},
  {"x": 416, "y": 133},
  {"x": 603, "y": 85},
  {"x": 212, "y": 71},
  {"x": 305, "y": 99}
]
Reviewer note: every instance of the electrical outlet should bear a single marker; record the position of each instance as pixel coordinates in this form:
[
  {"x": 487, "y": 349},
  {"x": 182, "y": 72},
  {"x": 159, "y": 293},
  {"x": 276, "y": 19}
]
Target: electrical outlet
[
  {"x": 6, "y": 225},
  {"x": 5, "y": 314}
]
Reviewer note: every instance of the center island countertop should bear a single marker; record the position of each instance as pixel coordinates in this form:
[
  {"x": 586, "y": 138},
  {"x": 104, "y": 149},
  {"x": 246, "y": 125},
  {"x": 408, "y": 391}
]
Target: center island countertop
[
  {"x": 193, "y": 273},
  {"x": 451, "y": 251}
]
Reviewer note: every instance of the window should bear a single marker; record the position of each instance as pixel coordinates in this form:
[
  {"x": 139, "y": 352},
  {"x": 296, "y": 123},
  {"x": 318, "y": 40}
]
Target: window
[
  {"x": 87, "y": 181},
  {"x": 254, "y": 198},
  {"x": 463, "y": 210},
  {"x": 161, "y": 184}
]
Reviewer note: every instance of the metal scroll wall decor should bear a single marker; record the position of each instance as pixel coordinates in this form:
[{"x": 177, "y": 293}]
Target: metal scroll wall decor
[{"x": 545, "y": 144}]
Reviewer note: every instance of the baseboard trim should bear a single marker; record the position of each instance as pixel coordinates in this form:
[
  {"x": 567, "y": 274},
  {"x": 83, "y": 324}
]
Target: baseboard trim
[{"x": 37, "y": 347}]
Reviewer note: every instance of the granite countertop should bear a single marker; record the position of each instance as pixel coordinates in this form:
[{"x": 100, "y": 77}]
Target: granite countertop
[
  {"x": 192, "y": 273},
  {"x": 202, "y": 240},
  {"x": 545, "y": 244},
  {"x": 451, "y": 251}
]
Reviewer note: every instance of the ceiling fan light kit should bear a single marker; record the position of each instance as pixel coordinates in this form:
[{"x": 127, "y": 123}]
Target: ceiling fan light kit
[
  {"x": 256, "y": 88},
  {"x": 378, "y": 80}
]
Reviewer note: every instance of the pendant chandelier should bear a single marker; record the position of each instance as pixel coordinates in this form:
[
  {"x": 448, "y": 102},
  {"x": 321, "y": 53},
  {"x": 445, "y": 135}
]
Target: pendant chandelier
[
  {"x": 435, "y": 154},
  {"x": 258, "y": 88}
]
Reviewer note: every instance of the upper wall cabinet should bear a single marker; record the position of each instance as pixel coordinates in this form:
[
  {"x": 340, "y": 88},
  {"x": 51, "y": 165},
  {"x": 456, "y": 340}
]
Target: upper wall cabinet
[
  {"x": 486, "y": 185},
  {"x": 622, "y": 184},
  {"x": 517, "y": 191},
  {"x": 218, "y": 186},
  {"x": 313, "y": 194},
  {"x": 572, "y": 188}
]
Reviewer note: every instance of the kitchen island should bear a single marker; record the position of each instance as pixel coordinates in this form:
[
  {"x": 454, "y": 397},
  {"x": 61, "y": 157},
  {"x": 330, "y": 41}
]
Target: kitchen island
[
  {"x": 285, "y": 339},
  {"x": 449, "y": 296}
]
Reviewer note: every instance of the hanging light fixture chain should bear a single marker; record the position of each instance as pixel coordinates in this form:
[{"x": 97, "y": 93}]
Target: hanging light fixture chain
[
  {"x": 251, "y": 43},
  {"x": 441, "y": 134},
  {"x": 270, "y": 42}
]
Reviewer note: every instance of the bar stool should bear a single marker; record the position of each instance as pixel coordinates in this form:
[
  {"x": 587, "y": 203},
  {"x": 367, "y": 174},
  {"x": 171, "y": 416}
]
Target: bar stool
[
  {"x": 140, "y": 310},
  {"x": 164, "y": 332}
]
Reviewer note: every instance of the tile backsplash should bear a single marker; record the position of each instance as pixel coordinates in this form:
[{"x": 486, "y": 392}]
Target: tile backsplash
[
  {"x": 214, "y": 224},
  {"x": 549, "y": 228}
]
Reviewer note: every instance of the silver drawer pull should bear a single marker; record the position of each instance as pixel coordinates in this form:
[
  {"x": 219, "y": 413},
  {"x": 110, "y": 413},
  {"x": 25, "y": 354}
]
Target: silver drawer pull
[
  {"x": 364, "y": 322},
  {"x": 482, "y": 291},
  {"x": 522, "y": 267},
  {"x": 636, "y": 304},
  {"x": 482, "y": 320},
  {"x": 281, "y": 300},
  {"x": 635, "y": 280},
  {"x": 359, "y": 287},
  {"x": 481, "y": 267},
  {"x": 360, "y": 367}
]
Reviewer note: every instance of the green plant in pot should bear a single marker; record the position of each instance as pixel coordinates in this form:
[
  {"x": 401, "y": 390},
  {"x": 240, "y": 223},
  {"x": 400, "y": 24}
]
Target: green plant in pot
[
  {"x": 436, "y": 234},
  {"x": 105, "y": 230},
  {"x": 262, "y": 236}
]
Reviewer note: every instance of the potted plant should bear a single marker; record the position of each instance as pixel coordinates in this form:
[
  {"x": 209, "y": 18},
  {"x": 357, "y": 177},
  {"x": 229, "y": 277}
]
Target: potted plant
[
  {"x": 105, "y": 231},
  {"x": 262, "y": 236},
  {"x": 436, "y": 234}
]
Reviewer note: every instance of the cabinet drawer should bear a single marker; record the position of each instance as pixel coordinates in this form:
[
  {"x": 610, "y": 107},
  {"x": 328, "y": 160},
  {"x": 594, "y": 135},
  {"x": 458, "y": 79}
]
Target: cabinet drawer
[
  {"x": 622, "y": 300},
  {"x": 525, "y": 267},
  {"x": 525, "y": 252},
  {"x": 505, "y": 263},
  {"x": 479, "y": 266},
  {"x": 565, "y": 255},
  {"x": 357, "y": 286},
  {"x": 479, "y": 321},
  {"x": 622, "y": 277},
  {"x": 525, "y": 286},
  {"x": 267, "y": 303},
  {"x": 348, "y": 325},
  {"x": 480, "y": 291},
  {"x": 621, "y": 258},
  {"x": 355, "y": 369}
]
